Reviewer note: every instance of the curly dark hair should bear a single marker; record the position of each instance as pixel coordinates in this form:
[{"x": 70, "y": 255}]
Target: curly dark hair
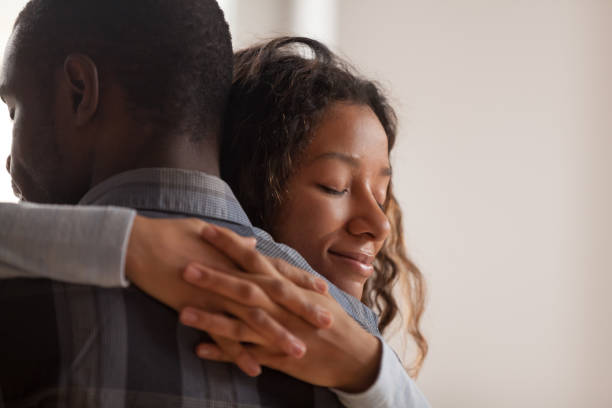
[
  {"x": 281, "y": 90},
  {"x": 172, "y": 58}
]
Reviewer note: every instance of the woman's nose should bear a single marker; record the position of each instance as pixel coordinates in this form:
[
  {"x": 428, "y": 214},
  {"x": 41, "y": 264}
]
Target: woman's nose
[{"x": 370, "y": 220}]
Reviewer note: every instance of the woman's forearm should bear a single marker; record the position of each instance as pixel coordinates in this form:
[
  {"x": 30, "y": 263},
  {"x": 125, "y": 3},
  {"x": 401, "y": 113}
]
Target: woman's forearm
[
  {"x": 85, "y": 245},
  {"x": 392, "y": 388}
]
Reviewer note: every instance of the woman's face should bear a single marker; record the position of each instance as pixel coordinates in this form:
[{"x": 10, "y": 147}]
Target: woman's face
[{"x": 333, "y": 209}]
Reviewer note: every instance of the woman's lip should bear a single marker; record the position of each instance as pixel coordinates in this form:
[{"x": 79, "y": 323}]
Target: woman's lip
[
  {"x": 357, "y": 259},
  {"x": 361, "y": 257}
]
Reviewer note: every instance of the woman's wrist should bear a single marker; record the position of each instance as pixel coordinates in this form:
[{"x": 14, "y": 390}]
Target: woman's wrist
[{"x": 366, "y": 365}]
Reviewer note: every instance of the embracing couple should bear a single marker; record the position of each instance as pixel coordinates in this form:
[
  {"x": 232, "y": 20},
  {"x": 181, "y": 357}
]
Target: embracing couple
[{"x": 139, "y": 112}]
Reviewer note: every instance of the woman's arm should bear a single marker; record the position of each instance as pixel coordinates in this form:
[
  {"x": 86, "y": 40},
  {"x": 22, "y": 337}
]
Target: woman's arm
[
  {"x": 360, "y": 368},
  {"x": 95, "y": 245},
  {"x": 84, "y": 245},
  {"x": 393, "y": 387}
]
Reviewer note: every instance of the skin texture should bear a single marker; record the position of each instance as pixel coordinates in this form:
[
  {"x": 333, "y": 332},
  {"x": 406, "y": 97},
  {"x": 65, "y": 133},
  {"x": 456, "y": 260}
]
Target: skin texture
[{"x": 332, "y": 214}]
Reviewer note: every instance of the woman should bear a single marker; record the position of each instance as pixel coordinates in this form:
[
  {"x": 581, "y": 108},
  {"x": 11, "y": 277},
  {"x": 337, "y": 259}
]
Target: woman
[{"x": 321, "y": 137}]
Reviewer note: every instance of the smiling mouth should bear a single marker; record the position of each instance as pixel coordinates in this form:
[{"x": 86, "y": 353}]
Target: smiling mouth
[{"x": 360, "y": 262}]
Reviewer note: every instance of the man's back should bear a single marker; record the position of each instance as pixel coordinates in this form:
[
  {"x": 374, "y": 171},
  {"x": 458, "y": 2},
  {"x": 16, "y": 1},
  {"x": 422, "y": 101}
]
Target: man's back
[{"x": 79, "y": 346}]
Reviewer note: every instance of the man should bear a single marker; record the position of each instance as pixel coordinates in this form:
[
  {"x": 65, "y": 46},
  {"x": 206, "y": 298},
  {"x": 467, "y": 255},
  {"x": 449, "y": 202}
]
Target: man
[{"x": 95, "y": 89}]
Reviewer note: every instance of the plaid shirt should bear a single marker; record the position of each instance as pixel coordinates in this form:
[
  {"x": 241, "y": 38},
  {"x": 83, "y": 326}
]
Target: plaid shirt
[{"x": 82, "y": 346}]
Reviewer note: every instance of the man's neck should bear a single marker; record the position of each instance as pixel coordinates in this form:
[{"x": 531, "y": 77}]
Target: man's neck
[
  {"x": 202, "y": 156},
  {"x": 188, "y": 156}
]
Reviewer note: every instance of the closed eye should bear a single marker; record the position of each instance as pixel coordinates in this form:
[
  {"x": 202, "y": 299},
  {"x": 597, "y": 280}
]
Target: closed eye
[{"x": 332, "y": 191}]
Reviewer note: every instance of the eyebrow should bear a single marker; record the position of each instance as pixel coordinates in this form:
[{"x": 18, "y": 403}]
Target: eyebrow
[{"x": 348, "y": 159}]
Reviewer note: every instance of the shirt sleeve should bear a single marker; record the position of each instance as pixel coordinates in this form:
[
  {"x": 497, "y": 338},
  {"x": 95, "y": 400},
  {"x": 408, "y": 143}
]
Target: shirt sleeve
[
  {"x": 393, "y": 387},
  {"x": 83, "y": 245}
]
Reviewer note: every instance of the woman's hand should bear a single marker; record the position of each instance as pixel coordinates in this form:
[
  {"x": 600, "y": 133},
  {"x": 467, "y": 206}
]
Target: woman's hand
[
  {"x": 159, "y": 251},
  {"x": 342, "y": 356}
]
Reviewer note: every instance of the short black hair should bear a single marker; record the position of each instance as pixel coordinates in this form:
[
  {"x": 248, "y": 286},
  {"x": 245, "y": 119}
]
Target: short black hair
[{"x": 172, "y": 58}]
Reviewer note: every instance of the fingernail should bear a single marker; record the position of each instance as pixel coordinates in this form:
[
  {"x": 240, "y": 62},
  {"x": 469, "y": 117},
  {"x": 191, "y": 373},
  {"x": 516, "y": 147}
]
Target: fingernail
[
  {"x": 209, "y": 231},
  {"x": 203, "y": 352},
  {"x": 297, "y": 348},
  {"x": 193, "y": 274},
  {"x": 323, "y": 316},
  {"x": 189, "y": 317},
  {"x": 320, "y": 285},
  {"x": 253, "y": 368}
]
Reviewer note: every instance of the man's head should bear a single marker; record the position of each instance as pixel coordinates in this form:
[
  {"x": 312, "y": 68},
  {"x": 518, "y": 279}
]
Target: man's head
[{"x": 100, "y": 86}]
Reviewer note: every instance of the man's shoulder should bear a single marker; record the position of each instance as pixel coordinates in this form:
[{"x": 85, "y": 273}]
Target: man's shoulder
[{"x": 267, "y": 246}]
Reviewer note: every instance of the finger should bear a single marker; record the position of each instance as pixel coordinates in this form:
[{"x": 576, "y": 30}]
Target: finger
[
  {"x": 270, "y": 358},
  {"x": 216, "y": 325},
  {"x": 236, "y": 288},
  {"x": 239, "y": 249},
  {"x": 263, "y": 356},
  {"x": 212, "y": 352},
  {"x": 239, "y": 355},
  {"x": 247, "y": 292},
  {"x": 219, "y": 325},
  {"x": 242, "y": 331},
  {"x": 275, "y": 333},
  {"x": 299, "y": 276},
  {"x": 295, "y": 299}
]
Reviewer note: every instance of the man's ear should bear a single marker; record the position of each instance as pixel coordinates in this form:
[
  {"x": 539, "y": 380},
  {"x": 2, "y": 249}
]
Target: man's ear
[{"x": 81, "y": 75}]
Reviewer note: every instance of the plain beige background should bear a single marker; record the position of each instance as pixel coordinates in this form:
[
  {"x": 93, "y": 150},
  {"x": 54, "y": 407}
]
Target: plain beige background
[{"x": 503, "y": 170}]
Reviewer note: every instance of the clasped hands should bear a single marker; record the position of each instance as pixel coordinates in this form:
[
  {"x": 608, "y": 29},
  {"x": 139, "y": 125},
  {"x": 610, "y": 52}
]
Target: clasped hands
[{"x": 258, "y": 310}]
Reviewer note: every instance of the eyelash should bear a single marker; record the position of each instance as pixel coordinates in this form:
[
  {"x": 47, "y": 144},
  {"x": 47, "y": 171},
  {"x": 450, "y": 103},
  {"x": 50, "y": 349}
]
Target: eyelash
[
  {"x": 335, "y": 192},
  {"x": 332, "y": 191}
]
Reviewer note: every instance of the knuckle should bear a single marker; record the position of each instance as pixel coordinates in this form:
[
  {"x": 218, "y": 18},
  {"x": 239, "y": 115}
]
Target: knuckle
[
  {"x": 279, "y": 289},
  {"x": 251, "y": 257},
  {"x": 306, "y": 281},
  {"x": 258, "y": 316},
  {"x": 282, "y": 266},
  {"x": 275, "y": 262},
  {"x": 248, "y": 292},
  {"x": 239, "y": 332}
]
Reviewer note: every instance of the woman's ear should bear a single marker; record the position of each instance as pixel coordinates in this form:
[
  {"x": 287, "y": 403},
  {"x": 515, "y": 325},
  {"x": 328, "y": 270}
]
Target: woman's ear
[{"x": 81, "y": 75}]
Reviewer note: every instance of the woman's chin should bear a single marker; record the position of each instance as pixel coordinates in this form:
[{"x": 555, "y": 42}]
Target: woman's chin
[{"x": 350, "y": 278}]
